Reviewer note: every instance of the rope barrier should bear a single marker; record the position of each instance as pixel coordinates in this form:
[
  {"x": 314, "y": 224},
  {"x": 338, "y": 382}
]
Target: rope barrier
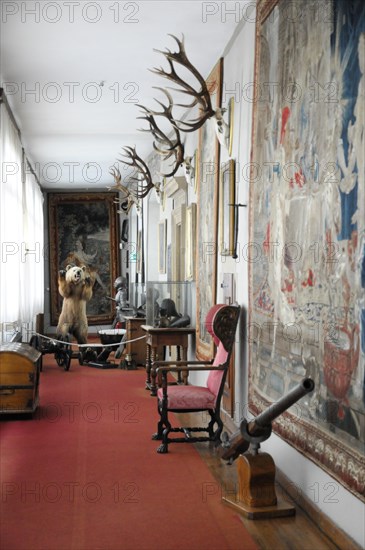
[{"x": 88, "y": 345}]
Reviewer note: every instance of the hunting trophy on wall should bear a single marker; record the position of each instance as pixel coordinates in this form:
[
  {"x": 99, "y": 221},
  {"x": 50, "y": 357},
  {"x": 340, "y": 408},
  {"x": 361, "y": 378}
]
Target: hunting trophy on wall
[
  {"x": 129, "y": 199},
  {"x": 168, "y": 144},
  {"x": 200, "y": 97}
]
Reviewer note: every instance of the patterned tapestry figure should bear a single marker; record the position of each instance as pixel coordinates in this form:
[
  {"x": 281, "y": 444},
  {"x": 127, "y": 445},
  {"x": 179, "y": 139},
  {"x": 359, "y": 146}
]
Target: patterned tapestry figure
[{"x": 307, "y": 290}]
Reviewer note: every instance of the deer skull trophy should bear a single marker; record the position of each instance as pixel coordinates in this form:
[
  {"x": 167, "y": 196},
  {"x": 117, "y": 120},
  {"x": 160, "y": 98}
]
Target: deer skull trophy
[
  {"x": 189, "y": 169},
  {"x": 142, "y": 182},
  {"x": 164, "y": 145},
  {"x": 129, "y": 198},
  {"x": 201, "y": 98}
]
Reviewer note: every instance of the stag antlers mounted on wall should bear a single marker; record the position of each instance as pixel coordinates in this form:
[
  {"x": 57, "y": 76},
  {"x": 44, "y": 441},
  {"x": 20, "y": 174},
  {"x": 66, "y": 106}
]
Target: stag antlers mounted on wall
[
  {"x": 164, "y": 145},
  {"x": 169, "y": 144},
  {"x": 129, "y": 199},
  {"x": 200, "y": 97},
  {"x": 142, "y": 182}
]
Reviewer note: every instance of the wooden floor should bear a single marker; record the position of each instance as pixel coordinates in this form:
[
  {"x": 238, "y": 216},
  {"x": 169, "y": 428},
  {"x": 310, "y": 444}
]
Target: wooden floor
[{"x": 294, "y": 533}]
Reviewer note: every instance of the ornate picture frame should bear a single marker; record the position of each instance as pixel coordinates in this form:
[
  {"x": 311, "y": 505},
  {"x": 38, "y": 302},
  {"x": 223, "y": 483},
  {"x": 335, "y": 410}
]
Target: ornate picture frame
[
  {"x": 84, "y": 229},
  {"x": 307, "y": 225},
  {"x": 226, "y": 208},
  {"x": 207, "y": 179}
]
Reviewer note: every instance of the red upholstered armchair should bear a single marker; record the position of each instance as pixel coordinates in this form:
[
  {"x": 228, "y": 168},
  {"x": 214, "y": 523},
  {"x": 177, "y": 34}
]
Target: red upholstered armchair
[{"x": 221, "y": 322}]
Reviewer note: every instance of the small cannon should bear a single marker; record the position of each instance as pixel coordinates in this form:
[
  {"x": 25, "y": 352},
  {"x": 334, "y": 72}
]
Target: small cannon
[{"x": 256, "y": 497}]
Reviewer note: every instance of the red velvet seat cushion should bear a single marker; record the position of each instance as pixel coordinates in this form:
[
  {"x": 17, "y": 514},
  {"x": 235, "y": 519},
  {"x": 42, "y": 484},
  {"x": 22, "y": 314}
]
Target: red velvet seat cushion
[{"x": 188, "y": 397}]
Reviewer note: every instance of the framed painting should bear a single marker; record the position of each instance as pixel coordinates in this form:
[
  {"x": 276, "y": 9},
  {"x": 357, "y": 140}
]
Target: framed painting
[
  {"x": 190, "y": 242},
  {"x": 162, "y": 246},
  {"x": 84, "y": 230},
  {"x": 307, "y": 222},
  {"x": 207, "y": 179},
  {"x": 227, "y": 208}
]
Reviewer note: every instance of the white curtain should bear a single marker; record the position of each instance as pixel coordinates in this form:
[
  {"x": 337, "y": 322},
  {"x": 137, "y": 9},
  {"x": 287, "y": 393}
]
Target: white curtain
[
  {"x": 21, "y": 234},
  {"x": 32, "y": 291},
  {"x": 11, "y": 217}
]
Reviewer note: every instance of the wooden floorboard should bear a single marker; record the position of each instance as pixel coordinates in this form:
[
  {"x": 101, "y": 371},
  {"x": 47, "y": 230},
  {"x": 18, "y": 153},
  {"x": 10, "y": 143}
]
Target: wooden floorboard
[{"x": 293, "y": 533}]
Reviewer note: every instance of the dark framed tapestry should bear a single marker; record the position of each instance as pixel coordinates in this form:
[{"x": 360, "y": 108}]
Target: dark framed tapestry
[
  {"x": 84, "y": 229},
  {"x": 307, "y": 228},
  {"x": 207, "y": 219}
]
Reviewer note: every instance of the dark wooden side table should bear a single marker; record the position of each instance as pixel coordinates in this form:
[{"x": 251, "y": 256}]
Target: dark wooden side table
[{"x": 157, "y": 337}]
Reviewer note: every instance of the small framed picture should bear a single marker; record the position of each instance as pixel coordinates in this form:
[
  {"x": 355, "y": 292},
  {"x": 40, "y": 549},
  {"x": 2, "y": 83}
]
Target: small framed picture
[{"x": 226, "y": 208}]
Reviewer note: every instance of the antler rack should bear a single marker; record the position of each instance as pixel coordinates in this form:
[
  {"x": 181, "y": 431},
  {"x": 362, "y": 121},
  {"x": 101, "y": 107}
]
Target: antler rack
[
  {"x": 144, "y": 183},
  {"x": 163, "y": 144},
  {"x": 200, "y": 97},
  {"x": 129, "y": 198}
]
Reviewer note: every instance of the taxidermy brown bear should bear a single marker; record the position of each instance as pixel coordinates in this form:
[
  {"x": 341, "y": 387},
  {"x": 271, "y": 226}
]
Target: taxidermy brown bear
[{"x": 76, "y": 287}]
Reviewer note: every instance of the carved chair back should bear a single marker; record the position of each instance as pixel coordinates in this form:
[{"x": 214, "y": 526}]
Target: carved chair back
[{"x": 221, "y": 323}]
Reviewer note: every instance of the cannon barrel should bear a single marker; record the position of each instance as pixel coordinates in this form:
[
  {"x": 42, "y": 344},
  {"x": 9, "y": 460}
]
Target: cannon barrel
[
  {"x": 276, "y": 409},
  {"x": 259, "y": 429}
]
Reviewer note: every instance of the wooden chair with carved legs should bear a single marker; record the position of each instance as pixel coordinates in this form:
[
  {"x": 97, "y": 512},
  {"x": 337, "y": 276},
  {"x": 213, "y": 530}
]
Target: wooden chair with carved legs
[{"x": 221, "y": 323}]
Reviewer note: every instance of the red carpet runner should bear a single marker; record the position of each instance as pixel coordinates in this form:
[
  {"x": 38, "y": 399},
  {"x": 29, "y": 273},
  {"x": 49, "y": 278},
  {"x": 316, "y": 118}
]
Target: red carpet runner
[{"x": 84, "y": 474}]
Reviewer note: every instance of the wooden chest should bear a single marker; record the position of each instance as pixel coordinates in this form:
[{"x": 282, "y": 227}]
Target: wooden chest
[{"x": 20, "y": 366}]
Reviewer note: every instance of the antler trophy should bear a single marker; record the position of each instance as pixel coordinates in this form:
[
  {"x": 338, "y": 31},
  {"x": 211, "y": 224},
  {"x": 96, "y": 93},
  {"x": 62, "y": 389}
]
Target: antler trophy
[
  {"x": 166, "y": 146},
  {"x": 200, "y": 98},
  {"x": 143, "y": 181},
  {"x": 129, "y": 199},
  {"x": 163, "y": 144},
  {"x": 256, "y": 497}
]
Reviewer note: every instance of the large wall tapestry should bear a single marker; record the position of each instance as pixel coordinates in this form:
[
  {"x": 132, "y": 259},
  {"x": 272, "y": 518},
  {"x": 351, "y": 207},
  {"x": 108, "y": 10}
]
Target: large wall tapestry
[
  {"x": 207, "y": 219},
  {"x": 307, "y": 272},
  {"x": 83, "y": 229}
]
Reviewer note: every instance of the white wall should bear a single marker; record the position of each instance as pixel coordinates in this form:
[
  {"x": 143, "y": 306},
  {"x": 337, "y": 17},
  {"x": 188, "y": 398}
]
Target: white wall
[
  {"x": 342, "y": 507},
  {"x": 151, "y": 219}
]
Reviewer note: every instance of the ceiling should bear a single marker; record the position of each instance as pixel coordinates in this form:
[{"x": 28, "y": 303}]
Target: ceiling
[{"x": 75, "y": 72}]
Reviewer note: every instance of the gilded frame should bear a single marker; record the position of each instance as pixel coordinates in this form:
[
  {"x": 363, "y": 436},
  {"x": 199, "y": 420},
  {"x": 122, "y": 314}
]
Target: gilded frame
[
  {"x": 84, "y": 228},
  {"x": 207, "y": 179},
  {"x": 227, "y": 208}
]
